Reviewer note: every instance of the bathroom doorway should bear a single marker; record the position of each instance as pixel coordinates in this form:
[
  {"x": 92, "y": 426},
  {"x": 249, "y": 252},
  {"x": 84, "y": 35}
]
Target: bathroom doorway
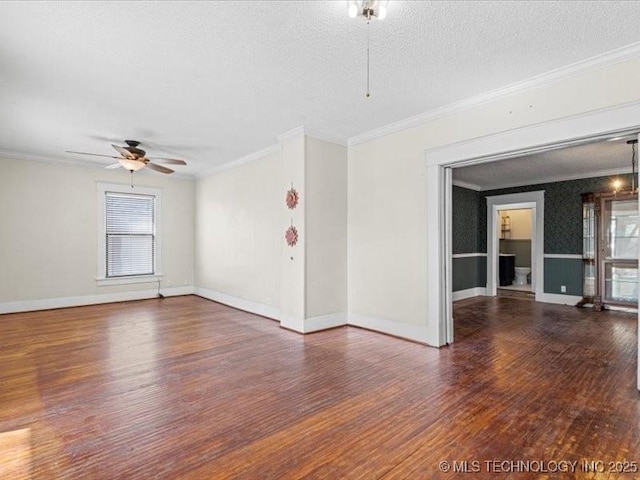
[
  {"x": 515, "y": 252},
  {"x": 515, "y": 259}
]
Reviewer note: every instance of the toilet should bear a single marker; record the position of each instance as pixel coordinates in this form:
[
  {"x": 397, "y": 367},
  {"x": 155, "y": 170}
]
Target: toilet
[{"x": 521, "y": 275}]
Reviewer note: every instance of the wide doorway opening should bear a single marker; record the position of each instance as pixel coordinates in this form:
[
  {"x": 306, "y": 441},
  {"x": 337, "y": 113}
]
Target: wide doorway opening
[
  {"x": 530, "y": 237},
  {"x": 492, "y": 215}
]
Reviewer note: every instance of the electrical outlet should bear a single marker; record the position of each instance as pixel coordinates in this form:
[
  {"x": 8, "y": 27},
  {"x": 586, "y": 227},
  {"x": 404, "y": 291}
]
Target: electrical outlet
[
  {"x": 563, "y": 288},
  {"x": 167, "y": 282}
]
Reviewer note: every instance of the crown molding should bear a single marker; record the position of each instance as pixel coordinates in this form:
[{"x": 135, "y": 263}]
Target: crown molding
[
  {"x": 59, "y": 161},
  {"x": 467, "y": 185},
  {"x": 76, "y": 163},
  {"x": 572, "y": 70},
  {"x": 291, "y": 134},
  {"x": 252, "y": 157},
  {"x": 326, "y": 138},
  {"x": 305, "y": 131},
  {"x": 563, "y": 178}
]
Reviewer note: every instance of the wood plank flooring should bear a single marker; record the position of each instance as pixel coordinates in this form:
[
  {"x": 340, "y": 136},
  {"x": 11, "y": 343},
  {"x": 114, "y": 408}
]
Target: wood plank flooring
[{"x": 187, "y": 388}]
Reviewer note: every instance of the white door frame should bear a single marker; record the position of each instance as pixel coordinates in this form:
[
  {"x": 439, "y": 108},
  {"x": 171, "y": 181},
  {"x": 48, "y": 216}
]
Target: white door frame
[
  {"x": 534, "y": 201},
  {"x": 448, "y": 252},
  {"x": 577, "y": 129}
]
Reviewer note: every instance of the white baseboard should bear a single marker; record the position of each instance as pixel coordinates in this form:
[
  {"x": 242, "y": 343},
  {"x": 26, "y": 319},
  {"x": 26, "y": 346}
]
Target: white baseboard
[
  {"x": 416, "y": 333},
  {"x": 292, "y": 323},
  {"x": 315, "y": 324},
  {"x": 240, "y": 303},
  {"x": 299, "y": 325},
  {"x": 560, "y": 299},
  {"x": 469, "y": 293},
  {"x": 64, "y": 302}
]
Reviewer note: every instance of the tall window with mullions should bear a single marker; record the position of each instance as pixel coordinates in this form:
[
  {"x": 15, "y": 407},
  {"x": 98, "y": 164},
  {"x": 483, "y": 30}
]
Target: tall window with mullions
[
  {"x": 589, "y": 247},
  {"x": 620, "y": 256},
  {"x": 130, "y": 234},
  {"x": 611, "y": 231}
]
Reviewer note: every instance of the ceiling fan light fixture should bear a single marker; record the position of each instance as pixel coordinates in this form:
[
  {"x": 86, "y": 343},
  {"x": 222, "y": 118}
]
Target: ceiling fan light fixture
[
  {"x": 367, "y": 9},
  {"x": 133, "y": 158},
  {"x": 131, "y": 165}
]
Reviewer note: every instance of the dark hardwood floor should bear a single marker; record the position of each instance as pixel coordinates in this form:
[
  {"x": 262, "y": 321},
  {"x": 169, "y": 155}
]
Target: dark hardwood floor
[{"x": 187, "y": 388}]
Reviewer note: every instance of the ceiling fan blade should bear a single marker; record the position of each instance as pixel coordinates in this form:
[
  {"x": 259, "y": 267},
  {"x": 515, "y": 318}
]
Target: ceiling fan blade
[
  {"x": 124, "y": 152},
  {"x": 170, "y": 161},
  {"x": 92, "y": 154},
  {"x": 113, "y": 165},
  {"x": 159, "y": 168}
]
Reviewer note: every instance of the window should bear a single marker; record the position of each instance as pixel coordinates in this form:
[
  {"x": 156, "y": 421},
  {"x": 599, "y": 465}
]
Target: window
[
  {"x": 130, "y": 234},
  {"x": 128, "y": 241}
]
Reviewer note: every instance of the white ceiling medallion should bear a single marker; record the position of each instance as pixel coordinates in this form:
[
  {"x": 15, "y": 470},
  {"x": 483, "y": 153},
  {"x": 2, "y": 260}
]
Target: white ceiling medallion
[{"x": 368, "y": 9}]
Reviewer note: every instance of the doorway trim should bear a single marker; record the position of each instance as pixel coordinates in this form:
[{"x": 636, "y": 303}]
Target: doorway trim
[
  {"x": 623, "y": 119},
  {"x": 534, "y": 201}
]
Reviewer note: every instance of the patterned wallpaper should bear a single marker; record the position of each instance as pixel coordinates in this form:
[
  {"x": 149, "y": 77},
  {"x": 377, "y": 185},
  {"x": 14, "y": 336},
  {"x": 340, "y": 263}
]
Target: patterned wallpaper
[
  {"x": 465, "y": 209},
  {"x": 562, "y": 211},
  {"x": 562, "y": 214}
]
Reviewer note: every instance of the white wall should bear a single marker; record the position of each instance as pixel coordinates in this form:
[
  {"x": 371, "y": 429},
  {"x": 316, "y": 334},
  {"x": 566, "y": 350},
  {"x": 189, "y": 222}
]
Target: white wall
[
  {"x": 242, "y": 258},
  {"x": 48, "y": 230},
  {"x": 387, "y": 187},
  {"x": 292, "y": 259},
  {"x": 239, "y": 232},
  {"x": 326, "y": 238},
  {"x": 387, "y": 232}
]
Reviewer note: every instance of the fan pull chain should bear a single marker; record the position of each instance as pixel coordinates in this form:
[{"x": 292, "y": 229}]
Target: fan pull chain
[{"x": 131, "y": 178}]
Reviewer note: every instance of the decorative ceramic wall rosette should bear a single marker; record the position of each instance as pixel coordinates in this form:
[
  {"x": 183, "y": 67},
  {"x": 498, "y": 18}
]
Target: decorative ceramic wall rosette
[
  {"x": 292, "y": 198},
  {"x": 291, "y": 236}
]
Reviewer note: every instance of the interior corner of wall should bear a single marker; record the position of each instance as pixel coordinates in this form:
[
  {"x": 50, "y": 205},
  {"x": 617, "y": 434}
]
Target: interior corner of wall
[{"x": 291, "y": 322}]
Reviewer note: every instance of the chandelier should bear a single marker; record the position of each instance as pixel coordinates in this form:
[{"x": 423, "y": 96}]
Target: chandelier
[
  {"x": 617, "y": 183},
  {"x": 633, "y": 164}
]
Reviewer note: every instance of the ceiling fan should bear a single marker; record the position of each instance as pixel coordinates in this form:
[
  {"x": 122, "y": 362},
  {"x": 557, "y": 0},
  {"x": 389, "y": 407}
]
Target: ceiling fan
[{"x": 133, "y": 158}]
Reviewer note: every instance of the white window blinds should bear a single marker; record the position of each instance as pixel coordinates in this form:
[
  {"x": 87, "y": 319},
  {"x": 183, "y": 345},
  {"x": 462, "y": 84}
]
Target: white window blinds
[{"x": 130, "y": 234}]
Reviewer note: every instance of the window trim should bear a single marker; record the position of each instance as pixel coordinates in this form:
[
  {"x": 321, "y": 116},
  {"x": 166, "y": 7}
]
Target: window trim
[{"x": 101, "y": 278}]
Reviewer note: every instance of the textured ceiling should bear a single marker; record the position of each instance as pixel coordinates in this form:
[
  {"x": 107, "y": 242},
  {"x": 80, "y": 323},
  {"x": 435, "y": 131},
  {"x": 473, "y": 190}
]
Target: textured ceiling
[
  {"x": 581, "y": 161},
  {"x": 215, "y": 81}
]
